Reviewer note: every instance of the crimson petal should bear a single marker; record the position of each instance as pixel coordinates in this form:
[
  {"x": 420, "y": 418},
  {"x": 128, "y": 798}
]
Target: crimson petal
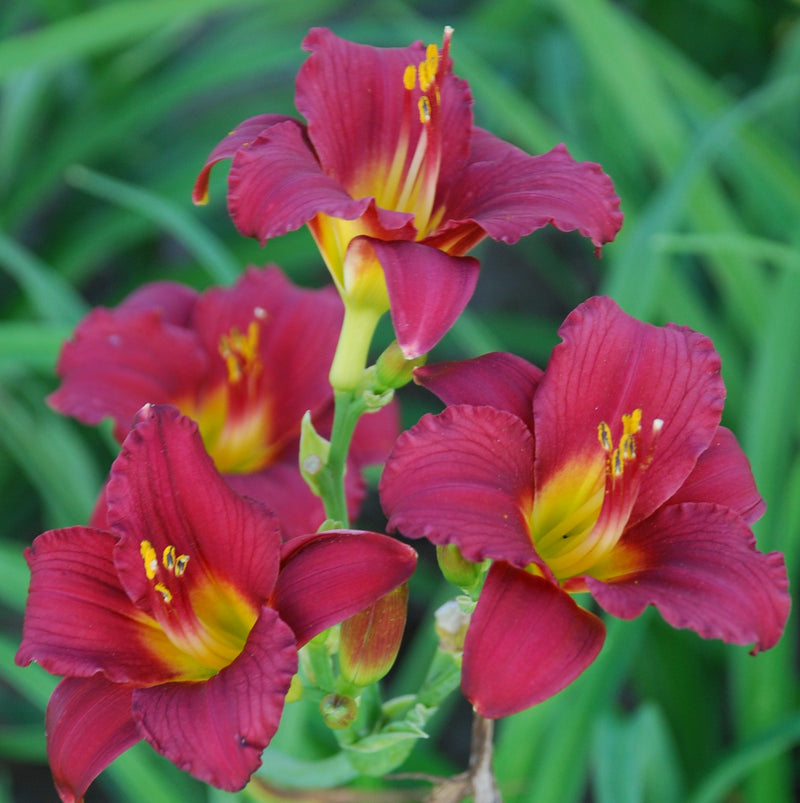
[
  {"x": 327, "y": 577},
  {"x": 428, "y": 290},
  {"x": 78, "y": 619},
  {"x": 276, "y": 184},
  {"x": 527, "y": 640},
  {"x": 241, "y": 136},
  {"x": 217, "y": 729},
  {"x": 153, "y": 496},
  {"x": 610, "y": 364},
  {"x": 510, "y": 193},
  {"x": 88, "y": 724},
  {"x": 462, "y": 477},
  {"x": 499, "y": 379},
  {"x": 697, "y": 563},
  {"x": 352, "y": 96},
  {"x": 119, "y": 359},
  {"x": 723, "y": 476}
]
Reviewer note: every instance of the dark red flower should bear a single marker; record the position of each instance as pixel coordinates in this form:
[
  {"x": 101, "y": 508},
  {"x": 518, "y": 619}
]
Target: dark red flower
[
  {"x": 396, "y": 184},
  {"x": 607, "y": 473},
  {"x": 245, "y": 362},
  {"x": 180, "y": 623}
]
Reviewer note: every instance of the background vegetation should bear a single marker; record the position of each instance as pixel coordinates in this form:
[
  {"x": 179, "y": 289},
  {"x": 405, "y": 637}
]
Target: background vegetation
[{"x": 108, "y": 109}]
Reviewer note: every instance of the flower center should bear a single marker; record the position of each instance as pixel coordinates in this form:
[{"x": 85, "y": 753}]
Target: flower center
[
  {"x": 205, "y": 620},
  {"x": 234, "y": 415},
  {"x": 410, "y": 182},
  {"x": 580, "y": 515}
]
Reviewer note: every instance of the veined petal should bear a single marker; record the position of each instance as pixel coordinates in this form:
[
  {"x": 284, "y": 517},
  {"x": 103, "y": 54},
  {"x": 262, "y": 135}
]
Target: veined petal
[
  {"x": 276, "y": 184},
  {"x": 216, "y": 730},
  {"x": 527, "y": 641},
  {"x": 609, "y": 365},
  {"x": 173, "y": 300},
  {"x": 428, "y": 290},
  {"x": 354, "y": 100},
  {"x": 329, "y": 576},
  {"x": 499, "y": 379},
  {"x": 154, "y": 504},
  {"x": 510, "y": 193},
  {"x": 88, "y": 724},
  {"x": 240, "y": 137},
  {"x": 78, "y": 619},
  {"x": 723, "y": 476},
  {"x": 119, "y": 359},
  {"x": 697, "y": 563},
  {"x": 296, "y": 508},
  {"x": 463, "y": 477}
]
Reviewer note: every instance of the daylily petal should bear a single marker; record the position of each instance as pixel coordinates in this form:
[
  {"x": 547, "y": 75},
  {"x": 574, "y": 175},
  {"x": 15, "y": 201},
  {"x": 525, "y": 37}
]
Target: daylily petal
[
  {"x": 327, "y": 577},
  {"x": 240, "y": 137},
  {"x": 463, "y": 477},
  {"x": 88, "y": 724},
  {"x": 510, "y": 193},
  {"x": 723, "y": 476},
  {"x": 352, "y": 96},
  {"x": 217, "y": 730},
  {"x": 296, "y": 508},
  {"x": 610, "y": 364},
  {"x": 78, "y": 619},
  {"x": 119, "y": 359},
  {"x": 153, "y": 498},
  {"x": 276, "y": 184},
  {"x": 697, "y": 563},
  {"x": 422, "y": 319},
  {"x": 173, "y": 300},
  {"x": 527, "y": 640},
  {"x": 375, "y": 435},
  {"x": 499, "y": 379}
]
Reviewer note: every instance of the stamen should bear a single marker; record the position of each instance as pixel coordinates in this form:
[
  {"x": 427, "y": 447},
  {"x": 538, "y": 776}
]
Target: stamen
[
  {"x": 604, "y": 436},
  {"x": 168, "y": 558},
  {"x": 410, "y": 77},
  {"x": 424, "y": 110},
  {"x": 164, "y": 591},
  {"x": 180, "y": 564},
  {"x": 240, "y": 351},
  {"x": 149, "y": 557}
]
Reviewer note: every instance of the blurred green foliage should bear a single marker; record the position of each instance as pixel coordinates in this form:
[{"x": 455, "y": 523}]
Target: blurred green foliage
[{"x": 107, "y": 112}]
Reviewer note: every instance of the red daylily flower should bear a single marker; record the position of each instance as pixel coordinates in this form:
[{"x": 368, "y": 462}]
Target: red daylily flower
[
  {"x": 396, "y": 184},
  {"x": 180, "y": 623},
  {"x": 607, "y": 473},
  {"x": 245, "y": 362}
]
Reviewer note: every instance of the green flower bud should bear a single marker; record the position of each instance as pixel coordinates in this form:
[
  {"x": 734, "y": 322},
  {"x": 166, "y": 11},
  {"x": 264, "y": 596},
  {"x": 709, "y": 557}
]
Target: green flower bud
[
  {"x": 338, "y": 710},
  {"x": 370, "y": 640},
  {"x": 456, "y": 568}
]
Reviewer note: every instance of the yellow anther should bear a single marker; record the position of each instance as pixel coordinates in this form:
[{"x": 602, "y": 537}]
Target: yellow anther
[
  {"x": 168, "y": 558},
  {"x": 632, "y": 422},
  {"x": 150, "y": 560},
  {"x": 627, "y": 447},
  {"x": 424, "y": 110},
  {"x": 616, "y": 463},
  {"x": 425, "y": 76},
  {"x": 432, "y": 58},
  {"x": 164, "y": 591},
  {"x": 410, "y": 77},
  {"x": 604, "y": 436},
  {"x": 180, "y": 564}
]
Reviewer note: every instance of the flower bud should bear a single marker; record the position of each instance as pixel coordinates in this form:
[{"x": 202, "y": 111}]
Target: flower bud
[
  {"x": 370, "y": 640},
  {"x": 451, "y": 626},
  {"x": 314, "y": 450},
  {"x": 456, "y": 568},
  {"x": 338, "y": 710},
  {"x": 393, "y": 370}
]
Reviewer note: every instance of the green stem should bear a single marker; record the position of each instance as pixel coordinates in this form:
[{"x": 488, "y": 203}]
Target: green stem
[{"x": 347, "y": 411}]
